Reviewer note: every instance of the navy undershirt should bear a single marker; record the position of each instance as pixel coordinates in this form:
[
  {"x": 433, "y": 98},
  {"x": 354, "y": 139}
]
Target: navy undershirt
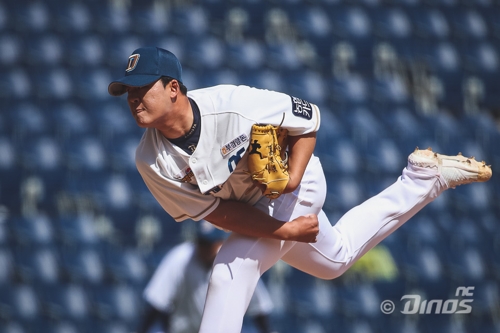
[{"x": 189, "y": 141}]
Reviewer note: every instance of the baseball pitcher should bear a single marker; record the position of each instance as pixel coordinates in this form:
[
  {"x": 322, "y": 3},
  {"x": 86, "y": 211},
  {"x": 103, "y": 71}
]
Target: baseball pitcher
[{"x": 242, "y": 158}]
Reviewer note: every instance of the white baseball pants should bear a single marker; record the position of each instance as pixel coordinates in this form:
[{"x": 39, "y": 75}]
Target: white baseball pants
[{"x": 242, "y": 260}]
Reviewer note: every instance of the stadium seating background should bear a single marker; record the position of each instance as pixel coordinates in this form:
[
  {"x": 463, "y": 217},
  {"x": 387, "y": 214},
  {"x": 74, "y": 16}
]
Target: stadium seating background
[{"x": 79, "y": 232}]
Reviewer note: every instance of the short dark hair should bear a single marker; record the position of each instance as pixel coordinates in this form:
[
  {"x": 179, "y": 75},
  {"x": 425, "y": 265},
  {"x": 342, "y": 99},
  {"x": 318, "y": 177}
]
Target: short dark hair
[{"x": 166, "y": 79}]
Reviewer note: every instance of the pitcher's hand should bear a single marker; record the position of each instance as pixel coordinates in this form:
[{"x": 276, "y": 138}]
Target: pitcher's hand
[{"x": 304, "y": 228}]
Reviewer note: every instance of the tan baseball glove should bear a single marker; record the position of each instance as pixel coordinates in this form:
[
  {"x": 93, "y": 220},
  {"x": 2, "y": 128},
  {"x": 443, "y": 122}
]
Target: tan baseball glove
[{"x": 267, "y": 162}]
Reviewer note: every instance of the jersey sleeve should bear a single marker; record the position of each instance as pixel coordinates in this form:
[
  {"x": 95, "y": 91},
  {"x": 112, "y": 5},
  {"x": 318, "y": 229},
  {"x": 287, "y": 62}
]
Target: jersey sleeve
[
  {"x": 298, "y": 116},
  {"x": 181, "y": 200}
]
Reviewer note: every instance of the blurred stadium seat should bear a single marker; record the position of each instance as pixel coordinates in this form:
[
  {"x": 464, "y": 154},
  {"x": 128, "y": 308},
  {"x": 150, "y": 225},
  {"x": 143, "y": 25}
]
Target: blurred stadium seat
[
  {"x": 351, "y": 90},
  {"x": 84, "y": 265},
  {"x": 245, "y": 55},
  {"x": 70, "y": 120},
  {"x": 7, "y": 264},
  {"x": 87, "y": 51},
  {"x": 43, "y": 51},
  {"x": 16, "y": 84},
  {"x": 35, "y": 17},
  {"x": 392, "y": 23},
  {"x": 116, "y": 303},
  {"x": 76, "y": 230},
  {"x": 34, "y": 230},
  {"x": 43, "y": 267},
  {"x": 151, "y": 19},
  {"x": 12, "y": 45},
  {"x": 430, "y": 23},
  {"x": 19, "y": 302},
  {"x": 28, "y": 119},
  {"x": 111, "y": 18},
  {"x": 12, "y": 327},
  {"x": 361, "y": 301},
  {"x": 66, "y": 302},
  {"x": 72, "y": 18},
  {"x": 190, "y": 21}
]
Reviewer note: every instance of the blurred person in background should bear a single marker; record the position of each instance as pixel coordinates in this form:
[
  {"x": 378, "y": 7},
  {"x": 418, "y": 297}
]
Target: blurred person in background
[
  {"x": 378, "y": 264},
  {"x": 176, "y": 293}
]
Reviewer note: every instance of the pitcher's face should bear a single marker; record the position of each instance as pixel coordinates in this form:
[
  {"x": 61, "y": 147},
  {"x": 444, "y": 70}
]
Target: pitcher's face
[{"x": 149, "y": 104}]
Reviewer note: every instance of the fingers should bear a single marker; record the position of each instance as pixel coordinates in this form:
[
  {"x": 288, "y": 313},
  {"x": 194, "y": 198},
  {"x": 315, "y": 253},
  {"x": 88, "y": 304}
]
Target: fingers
[
  {"x": 316, "y": 224},
  {"x": 307, "y": 228},
  {"x": 316, "y": 237}
]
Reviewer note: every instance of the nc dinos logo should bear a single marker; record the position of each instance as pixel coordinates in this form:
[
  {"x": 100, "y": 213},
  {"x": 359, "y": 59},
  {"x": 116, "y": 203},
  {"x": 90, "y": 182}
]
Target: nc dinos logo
[{"x": 132, "y": 62}]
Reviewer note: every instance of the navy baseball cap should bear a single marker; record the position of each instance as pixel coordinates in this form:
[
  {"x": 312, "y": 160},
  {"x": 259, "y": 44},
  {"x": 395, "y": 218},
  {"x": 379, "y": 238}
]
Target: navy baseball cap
[{"x": 145, "y": 66}]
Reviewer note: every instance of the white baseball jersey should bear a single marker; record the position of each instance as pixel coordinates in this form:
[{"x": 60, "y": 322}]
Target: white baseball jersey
[
  {"x": 191, "y": 186},
  {"x": 179, "y": 286}
]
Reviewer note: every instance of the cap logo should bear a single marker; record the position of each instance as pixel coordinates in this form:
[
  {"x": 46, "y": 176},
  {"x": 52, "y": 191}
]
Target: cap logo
[{"x": 132, "y": 62}]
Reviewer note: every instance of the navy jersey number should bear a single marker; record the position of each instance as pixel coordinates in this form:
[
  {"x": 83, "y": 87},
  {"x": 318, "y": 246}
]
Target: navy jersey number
[{"x": 235, "y": 159}]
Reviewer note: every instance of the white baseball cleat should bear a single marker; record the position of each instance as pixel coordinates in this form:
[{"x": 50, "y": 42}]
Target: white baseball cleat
[{"x": 456, "y": 170}]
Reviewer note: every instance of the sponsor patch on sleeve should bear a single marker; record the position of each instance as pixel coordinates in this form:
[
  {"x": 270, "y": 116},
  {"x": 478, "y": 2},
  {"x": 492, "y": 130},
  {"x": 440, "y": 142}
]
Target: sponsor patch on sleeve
[{"x": 301, "y": 108}]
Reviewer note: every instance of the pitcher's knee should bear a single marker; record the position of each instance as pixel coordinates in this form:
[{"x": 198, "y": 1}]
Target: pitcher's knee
[
  {"x": 333, "y": 273},
  {"x": 338, "y": 273}
]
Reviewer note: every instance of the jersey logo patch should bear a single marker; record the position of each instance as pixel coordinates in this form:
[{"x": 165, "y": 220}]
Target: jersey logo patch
[
  {"x": 185, "y": 175},
  {"x": 301, "y": 108},
  {"x": 255, "y": 148},
  {"x": 132, "y": 62},
  {"x": 229, "y": 147},
  {"x": 233, "y": 161}
]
